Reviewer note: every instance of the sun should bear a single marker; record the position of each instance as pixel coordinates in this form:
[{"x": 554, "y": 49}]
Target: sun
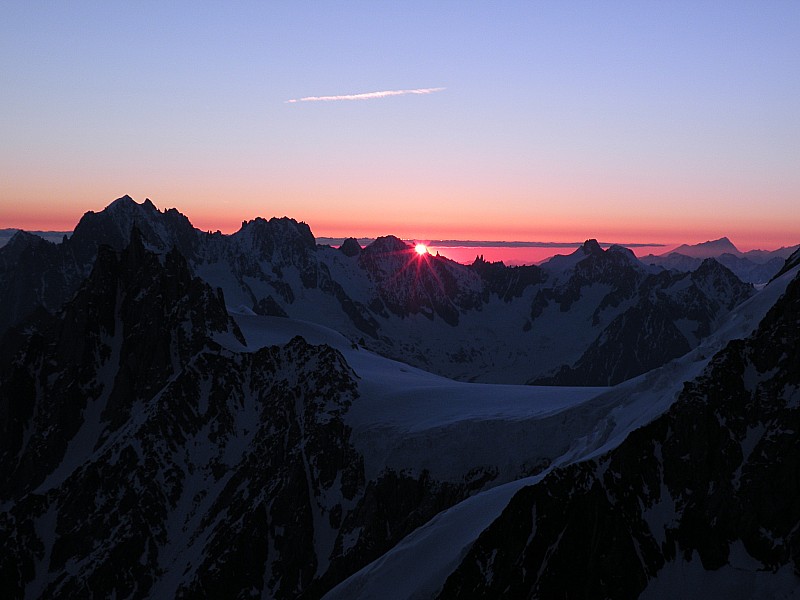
[{"x": 421, "y": 249}]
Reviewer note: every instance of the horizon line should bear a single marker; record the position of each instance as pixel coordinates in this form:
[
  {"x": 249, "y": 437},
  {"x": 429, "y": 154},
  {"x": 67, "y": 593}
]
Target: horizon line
[
  {"x": 8, "y": 232},
  {"x": 491, "y": 243}
]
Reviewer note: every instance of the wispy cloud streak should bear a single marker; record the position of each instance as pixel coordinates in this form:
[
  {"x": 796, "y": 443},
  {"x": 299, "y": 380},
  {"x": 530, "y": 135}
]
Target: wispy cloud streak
[{"x": 366, "y": 96}]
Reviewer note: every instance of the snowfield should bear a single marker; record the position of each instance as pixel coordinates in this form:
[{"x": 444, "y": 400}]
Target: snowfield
[
  {"x": 409, "y": 419},
  {"x": 431, "y": 552}
]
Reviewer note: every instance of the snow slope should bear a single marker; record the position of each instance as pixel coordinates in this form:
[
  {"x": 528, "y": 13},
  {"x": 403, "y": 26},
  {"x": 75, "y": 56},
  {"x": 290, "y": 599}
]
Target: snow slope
[
  {"x": 409, "y": 419},
  {"x": 432, "y": 551}
]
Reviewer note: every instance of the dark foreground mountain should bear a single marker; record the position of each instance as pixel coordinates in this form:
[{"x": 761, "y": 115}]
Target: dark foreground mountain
[
  {"x": 141, "y": 457},
  {"x": 707, "y": 497},
  {"x": 152, "y": 445},
  {"x": 589, "y": 320}
]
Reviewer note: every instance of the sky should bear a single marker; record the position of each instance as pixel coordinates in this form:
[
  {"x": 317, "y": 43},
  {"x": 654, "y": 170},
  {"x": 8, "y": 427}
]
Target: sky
[{"x": 660, "y": 122}]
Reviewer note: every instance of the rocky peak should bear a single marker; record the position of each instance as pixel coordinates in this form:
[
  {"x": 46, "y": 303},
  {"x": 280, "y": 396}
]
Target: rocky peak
[
  {"x": 350, "y": 247},
  {"x": 388, "y": 244},
  {"x": 591, "y": 248},
  {"x": 410, "y": 283},
  {"x": 125, "y": 211},
  {"x": 708, "y": 249},
  {"x": 19, "y": 243},
  {"x": 123, "y": 201},
  {"x": 719, "y": 283},
  {"x": 710, "y": 266},
  {"x": 112, "y": 227},
  {"x": 609, "y": 266},
  {"x": 622, "y": 251},
  {"x": 507, "y": 282},
  {"x": 269, "y": 236},
  {"x": 127, "y": 204}
]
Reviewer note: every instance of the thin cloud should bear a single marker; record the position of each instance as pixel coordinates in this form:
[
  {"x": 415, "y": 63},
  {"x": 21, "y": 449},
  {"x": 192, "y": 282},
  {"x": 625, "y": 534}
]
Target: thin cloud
[{"x": 366, "y": 96}]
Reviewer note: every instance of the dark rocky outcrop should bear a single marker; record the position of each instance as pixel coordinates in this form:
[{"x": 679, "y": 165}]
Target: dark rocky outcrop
[
  {"x": 664, "y": 316},
  {"x": 721, "y": 469},
  {"x": 350, "y": 247},
  {"x": 141, "y": 458},
  {"x": 507, "y": 282}
]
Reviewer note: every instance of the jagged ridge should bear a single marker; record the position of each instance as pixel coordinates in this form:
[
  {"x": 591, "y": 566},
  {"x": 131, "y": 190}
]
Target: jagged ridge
[{"x": 714, "y": 477}]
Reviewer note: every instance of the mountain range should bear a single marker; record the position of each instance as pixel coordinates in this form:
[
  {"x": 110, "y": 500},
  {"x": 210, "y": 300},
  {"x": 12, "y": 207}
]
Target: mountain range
[
  {"x": 190, "y": 414},
  {"x": 753, "y": 266},
  {"x": 486, "y": 322}
]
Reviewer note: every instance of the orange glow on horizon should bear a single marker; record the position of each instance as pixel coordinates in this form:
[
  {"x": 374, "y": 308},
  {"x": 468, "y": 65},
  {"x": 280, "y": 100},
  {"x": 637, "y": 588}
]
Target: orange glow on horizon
[{"x": 438, "y": 223}]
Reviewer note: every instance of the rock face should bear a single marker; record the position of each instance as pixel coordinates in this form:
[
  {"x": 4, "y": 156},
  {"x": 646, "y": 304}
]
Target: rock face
[
  {"x": 505, "y": 282},
  {"x": 35, "y": 273},
  {"x": 113, "y": 315},
  {"x": 584, "y": 319},
  {"x": 141, "y": 458},
  {"x": 350, "y": 247},
  {"x": 664, "y": 316},
  {"x": 713, "y": 482},
  {"x": 409, "y": 283}
]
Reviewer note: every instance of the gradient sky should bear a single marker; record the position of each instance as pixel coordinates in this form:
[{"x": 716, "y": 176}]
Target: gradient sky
[{"x": 623, "y": 121}]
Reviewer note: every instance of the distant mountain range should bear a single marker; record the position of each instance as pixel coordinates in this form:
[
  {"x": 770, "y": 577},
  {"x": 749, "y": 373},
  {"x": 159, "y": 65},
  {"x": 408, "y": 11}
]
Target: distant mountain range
[
  {"x": 574, "y": 320},
  {"x": 51, "y": 236},
  {"x": 479, "y": 243},
  {"x": 187, "y": 414},
  {"x": 754, "y": 266}
]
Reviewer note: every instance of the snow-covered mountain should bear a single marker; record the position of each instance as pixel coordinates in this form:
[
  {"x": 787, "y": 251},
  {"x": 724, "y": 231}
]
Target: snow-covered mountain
[
  {"x": 152, "y": 447},
  {"x": 703, "y": 498},
  {"x": 141, "y": 458},
  {"x": 657, "y": 323},
  {"x": 679, "y": 489},
  {"x": 192, "y": 421},
  {"x": 574, "y": 321}
]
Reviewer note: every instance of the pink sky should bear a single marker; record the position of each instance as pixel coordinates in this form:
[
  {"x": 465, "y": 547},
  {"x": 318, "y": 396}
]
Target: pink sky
[
  {"x": 432, "y": 220},
  {"x": 628, "y": 122}
]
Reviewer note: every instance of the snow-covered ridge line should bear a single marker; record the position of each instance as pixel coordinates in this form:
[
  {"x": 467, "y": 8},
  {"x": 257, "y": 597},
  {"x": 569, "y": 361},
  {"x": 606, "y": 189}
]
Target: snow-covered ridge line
[
  {"x": 628, "y": 406},
  {"x": 483, "y": 322}
]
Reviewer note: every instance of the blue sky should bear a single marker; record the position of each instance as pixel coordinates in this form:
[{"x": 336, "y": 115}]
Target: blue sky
[{"x": 659, "y": 121}]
